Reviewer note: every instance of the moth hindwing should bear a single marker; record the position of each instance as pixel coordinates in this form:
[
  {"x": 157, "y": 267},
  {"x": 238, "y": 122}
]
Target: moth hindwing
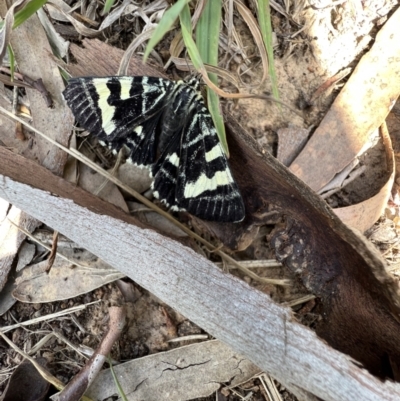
[{"x": 164, "y": 125}]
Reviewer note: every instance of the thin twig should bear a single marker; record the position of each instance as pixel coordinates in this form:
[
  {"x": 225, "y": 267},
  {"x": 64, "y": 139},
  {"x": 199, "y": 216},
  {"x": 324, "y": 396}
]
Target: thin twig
[{"x": 47, "y": 317}]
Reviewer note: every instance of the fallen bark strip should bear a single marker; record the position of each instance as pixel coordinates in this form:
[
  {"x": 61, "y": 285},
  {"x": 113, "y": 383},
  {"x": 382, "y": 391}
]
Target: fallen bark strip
[
  {"x": 359, "y": 300},
  {"x": 232, "y": 311}
]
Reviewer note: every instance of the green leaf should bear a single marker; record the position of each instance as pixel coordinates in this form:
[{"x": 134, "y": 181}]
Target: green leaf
[
  {"x": 207, "y": 31},
  {"x": 164, "y": 26},
  {"x": 191, "y": 47},
  {"x": 22, "y": 15},
  {"x": 185, "y": 18},
  {"x": 107, "y": 6},
  {"x": 207, "y": 37},
  {"x": 264, "y": 20}
]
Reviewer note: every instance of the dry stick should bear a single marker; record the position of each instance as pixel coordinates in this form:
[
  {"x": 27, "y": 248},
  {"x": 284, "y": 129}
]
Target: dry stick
[
  {"x": 74, "y": 390},
  {"x": 151, "y": 205},
  {"x": 112, "y": 172},
  {"x": 53, "y": 252}
]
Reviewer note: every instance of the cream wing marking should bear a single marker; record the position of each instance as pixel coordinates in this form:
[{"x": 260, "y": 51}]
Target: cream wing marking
[
  {"x": 174, "y": 159},
  {"x": 214, "y": 153},
  {"x": 139, "y": 131},
  {"x": 203, "y": 183},
  {"x": 126, "y": 85},
  {"x": 107, "y": 111}
]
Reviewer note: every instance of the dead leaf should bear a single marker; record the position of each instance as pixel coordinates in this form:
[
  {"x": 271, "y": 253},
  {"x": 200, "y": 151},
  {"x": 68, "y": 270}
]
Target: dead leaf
[
  {"x": 363, "y": 215},
  {"x": 65, "y": 280},
  {"x": 182, "y": 374},
  {"x": 11, "y": 239},
  {"x": 25, "y": 255},
  {"x": 359, "y": 109},
  {"x": 32, "y": 52},
  {"x": 26, "y": 383},
  {"x": 6, "y": 29},
  {"x": 92, "y": 181},
  {"x": 135, "y": 177}
]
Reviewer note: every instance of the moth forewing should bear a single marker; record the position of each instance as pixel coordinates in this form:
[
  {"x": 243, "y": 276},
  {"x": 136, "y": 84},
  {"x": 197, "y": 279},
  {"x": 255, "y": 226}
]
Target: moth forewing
[{"x": 166, "y": 127}]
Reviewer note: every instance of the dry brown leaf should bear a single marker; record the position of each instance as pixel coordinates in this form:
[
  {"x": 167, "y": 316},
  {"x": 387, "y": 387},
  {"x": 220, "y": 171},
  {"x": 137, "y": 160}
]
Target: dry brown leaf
[
  {"x": 54, "y": 13},
  {"x": 114, "y": 15},
  {"x": 59, "y": 45},
  {"x": 33, "y": 54},
  {"x": 359, "y": 109},
  {"x": 363, "y": 215},
  {"x": 91, "y": 182},
  {"x": 65, "y": 280},
  {"x": 5, "y": 32},
  {"x": 11, "y": 239},
  {"x": 135, "y": 177},
  {"x": 26, "y": 383},
  {"x": 25, "y": 255},
  {"x": 255, "y": 30},
  {"x": 79, "y": 26},
  {"x": 185, "y": 373}
]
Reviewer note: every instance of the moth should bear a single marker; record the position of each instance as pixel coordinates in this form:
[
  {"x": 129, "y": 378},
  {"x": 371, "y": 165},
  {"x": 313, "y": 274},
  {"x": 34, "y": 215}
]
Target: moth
[{"x": 165, "y": 126}]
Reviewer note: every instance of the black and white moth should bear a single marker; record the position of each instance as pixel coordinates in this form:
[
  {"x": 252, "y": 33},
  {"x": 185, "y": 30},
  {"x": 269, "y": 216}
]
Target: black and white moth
[{"x": 165, "y": 126}]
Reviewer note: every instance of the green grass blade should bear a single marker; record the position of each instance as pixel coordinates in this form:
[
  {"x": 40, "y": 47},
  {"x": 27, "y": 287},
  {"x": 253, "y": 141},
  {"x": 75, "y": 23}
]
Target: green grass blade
[
  {"x": 164, "y": 26},
  {"x": 191, "y": 47},
  {"x": 107, "y": 6},
  {"x": 197, "y": 60},
  {"x": 185, "y": 18},
  {"x": 264, "y": 20},
  {"x": 207, "y": 37},
  {"x": 207, "y": 31},
  {"x": 116, "y": 381},
  {"x": 22, "y": 15}
]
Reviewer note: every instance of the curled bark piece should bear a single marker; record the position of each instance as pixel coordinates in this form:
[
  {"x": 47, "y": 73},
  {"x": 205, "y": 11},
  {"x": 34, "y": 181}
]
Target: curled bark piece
[
  {"x": 334, "y": 262},
  {"x": 363, "y": 215}
]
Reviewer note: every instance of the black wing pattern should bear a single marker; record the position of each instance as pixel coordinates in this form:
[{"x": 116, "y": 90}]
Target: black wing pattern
[{"x": 165, "y": 126}]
